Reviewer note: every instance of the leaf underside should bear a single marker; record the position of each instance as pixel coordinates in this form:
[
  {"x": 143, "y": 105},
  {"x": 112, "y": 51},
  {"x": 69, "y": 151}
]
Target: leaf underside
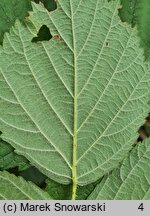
[
  {"x": 129, "y": 182},
  {"x": 81, "y": 95}
]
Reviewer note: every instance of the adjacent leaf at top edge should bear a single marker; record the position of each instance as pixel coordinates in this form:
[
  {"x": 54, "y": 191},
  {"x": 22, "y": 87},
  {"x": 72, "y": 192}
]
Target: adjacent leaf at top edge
[
  {"x": 10, "y": 11},
  {"x": 129, "y": 182},
  {"x": 137, "y": 12},
  {"x": 16, "y": 188},
  {"x": 128, "y": 11},
  {"x": 73, "y": 105}
]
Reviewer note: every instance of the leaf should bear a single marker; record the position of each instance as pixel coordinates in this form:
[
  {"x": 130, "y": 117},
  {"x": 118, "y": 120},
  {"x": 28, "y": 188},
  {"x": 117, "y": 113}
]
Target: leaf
[
  {"x": 19, "y": 188},
  {"x": 73, "y": 105},
  {"x": 129, "y": 11},
  {"x": 144, "y": 27},
  {"x": 9, "y": 159},
  {"x": 129, "y": 182},
  {"x": 137, "y": 12},
  {"x": 9, "y": 12}
]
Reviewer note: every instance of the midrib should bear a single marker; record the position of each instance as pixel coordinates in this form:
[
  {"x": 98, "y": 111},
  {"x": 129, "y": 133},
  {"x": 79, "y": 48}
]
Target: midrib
[{"x": 74, "y": 161}]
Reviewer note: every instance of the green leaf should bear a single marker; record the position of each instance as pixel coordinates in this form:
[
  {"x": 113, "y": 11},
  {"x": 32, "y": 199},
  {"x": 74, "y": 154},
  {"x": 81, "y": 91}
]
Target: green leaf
[
  {"x": 137, "y": 12},
  {"x": 129, "y": 182},
  {"x": 9, "y": 159},
  {"x": 16, "y": 188},
  {"x": 9, "y": 12},
  {"x": 73, "y": 105},
  {"x": 129, "y": 11}
]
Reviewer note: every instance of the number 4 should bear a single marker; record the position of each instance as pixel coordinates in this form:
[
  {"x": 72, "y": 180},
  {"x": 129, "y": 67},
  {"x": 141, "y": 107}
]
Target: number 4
[{"x": 141, "y": 207}]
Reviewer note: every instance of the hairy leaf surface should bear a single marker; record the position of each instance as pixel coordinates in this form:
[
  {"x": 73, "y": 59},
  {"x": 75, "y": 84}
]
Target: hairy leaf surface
[
  {"x": 73, "y": 105},
  {"x": 16, "y": 188},
  {"x": 129, "y": 182}
]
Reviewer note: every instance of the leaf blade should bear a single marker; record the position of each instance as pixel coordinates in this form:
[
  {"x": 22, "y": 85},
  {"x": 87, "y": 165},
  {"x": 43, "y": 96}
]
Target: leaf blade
[
  {"x": 131, "y": 181},
  {"x": 112, "y": 84}
]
